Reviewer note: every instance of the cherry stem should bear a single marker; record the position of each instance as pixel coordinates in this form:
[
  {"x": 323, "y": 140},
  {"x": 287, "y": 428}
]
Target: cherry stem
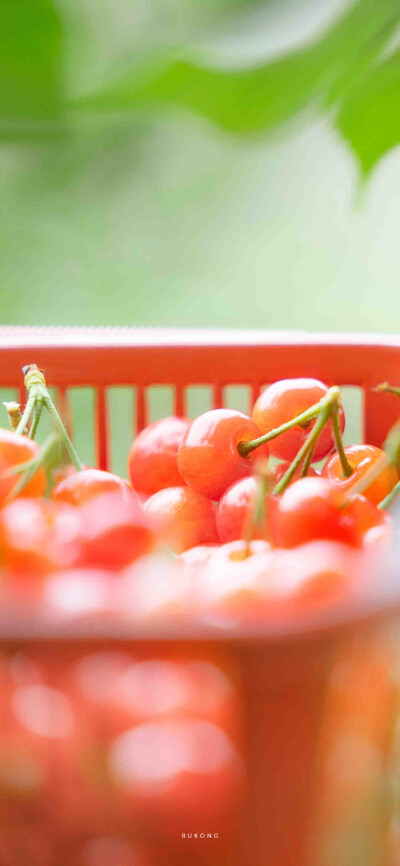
[
  {"x": 62, "y": 431},
  {"x": 36, "y": 418},
  {"x": 29, "y": 468},
  {"x": 347, "y": 470},
  {"x": 308, "y": 461},
  {"x": 330, "y": 399},
  {"x": 39, "y": 397},
  {"x": 359, "y": 484},
  {"x": 258, "y": 511},
  {"x": 387, "y": 501},
  {"x": 385, "y": 388},
  {"x": 307, "y": 446},
  {"x": 26, "y": 414}
]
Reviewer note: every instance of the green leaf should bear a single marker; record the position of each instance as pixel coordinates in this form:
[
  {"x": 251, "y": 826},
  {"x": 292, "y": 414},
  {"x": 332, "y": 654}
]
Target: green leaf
[
  {"x": 259, "y": 98},
  {"x": 369, "y": 118},
  {"x": 30, "y": 65}
]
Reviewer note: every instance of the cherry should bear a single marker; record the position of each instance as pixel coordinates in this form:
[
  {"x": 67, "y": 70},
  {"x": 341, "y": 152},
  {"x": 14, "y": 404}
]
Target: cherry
[
  {"x": 80, "y": 487},
  {"x": 284, "y": 400},
  {"x": 363, "y": 518},
  {"x": 152, "y": 460},
  {"x": 235, "y": 509},
  {"x": 115, "y": 531},
  {"x": 362, "y": 458},
  {"x": 317, "y": 573},
  {"x": 308, "y": 509},
  {"x": 208, "y": 458},
  {"x": 234, "y": 582},
  {"x": 16, "y": 449},
  {"x": 183, "y": 517},
  {"x": 38, "y": 536}
]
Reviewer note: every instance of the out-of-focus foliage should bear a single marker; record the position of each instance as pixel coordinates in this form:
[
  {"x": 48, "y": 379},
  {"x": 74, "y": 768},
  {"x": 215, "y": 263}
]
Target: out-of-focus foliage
[
  {"x": 340, "y": 69},
  {"x": 345, "y": 70},
  {"x": 187, "y": 162},
  {"x": 31, "y": 85}
]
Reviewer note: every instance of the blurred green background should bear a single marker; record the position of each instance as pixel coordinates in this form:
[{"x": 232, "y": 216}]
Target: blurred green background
[{"x": 200, "y": 162}]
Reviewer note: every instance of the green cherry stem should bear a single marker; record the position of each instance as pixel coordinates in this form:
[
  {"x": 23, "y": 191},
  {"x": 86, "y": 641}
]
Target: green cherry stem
[
  {"x": 331, "y": 397},
  {"x": 385, "y": 388},
  {"x": 308, "y": 461},
  {"x": 387, "y": 501},
  {"x": 258, "y": 511},
  {"x": 28, "y": 469},
  {"x": 38, "y": 397},
  {"x": 36, "y": 418},
  {"x": 62, "y": 431},
  {"x": 27, "y": 412},
  {"x": 302, "y": 454},
  {"x": 337, "y": 435}
]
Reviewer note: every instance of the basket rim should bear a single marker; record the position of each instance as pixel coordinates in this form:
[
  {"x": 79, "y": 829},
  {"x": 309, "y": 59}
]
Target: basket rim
[{"x": 43, "y": 335}]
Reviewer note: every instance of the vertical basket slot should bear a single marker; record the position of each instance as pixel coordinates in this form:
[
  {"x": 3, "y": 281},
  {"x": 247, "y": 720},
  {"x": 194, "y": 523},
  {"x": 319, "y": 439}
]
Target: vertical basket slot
[
  {"x": 82, "y": 402},
  {"x": 353, "y": 405},
  {"x": 120, "y": 401},
  {"x": 199, "y": 399},
  {"x": 160, "y": 402},
  {"x": 238, "y": 397}
]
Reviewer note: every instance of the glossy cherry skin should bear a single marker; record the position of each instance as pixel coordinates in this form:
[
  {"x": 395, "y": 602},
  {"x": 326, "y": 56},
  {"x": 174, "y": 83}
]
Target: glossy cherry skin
[
  {"x": 81, "y": 487},
  {"x": 152, "y": 460},
  {"x": 309, "y": 509},
  {"x": 183, "y": 517},
  {"x": 208, "y": 458},
  {"x": 16, "y": 449},
  {"x": 114, "y": 531},
  {"x": 361, "y": 459},
  {"x": 281, "y": 402},
  {"x": 235, "y": 509},
  {"x": 363, "y": 517}
]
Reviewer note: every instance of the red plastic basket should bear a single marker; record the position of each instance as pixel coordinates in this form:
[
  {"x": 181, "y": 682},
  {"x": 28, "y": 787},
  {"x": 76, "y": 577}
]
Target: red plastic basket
[{"x": 315, "y": 706}]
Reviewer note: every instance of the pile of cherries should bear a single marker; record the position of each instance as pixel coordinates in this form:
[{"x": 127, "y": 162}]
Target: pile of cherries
[{"x": 209, "y": 527}]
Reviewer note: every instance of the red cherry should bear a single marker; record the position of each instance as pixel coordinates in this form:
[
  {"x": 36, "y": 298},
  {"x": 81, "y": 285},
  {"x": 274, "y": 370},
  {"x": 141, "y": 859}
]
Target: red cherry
[
  {"x": 284, "y": 400},
  {"x": 81, "y": 487},
  {"x": 362, "y": 516},
  {"x": 318, "y": 573},
  {"x": 183, "y": 517},
  {"x": 16, "y": 449},
  {"x": 309, "y": 509},
  {"x": 235, "y": 511},
  {"x": 115, "y": 531},
  {"x": 234, "y": 582},
  {"x": 208, "y": 458},
  {"x": 152, "y": 460},
  {"x": 361, "y": 459},
  {"x": 191, "y": 560},
  {"x": 38, "y": 536}
]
